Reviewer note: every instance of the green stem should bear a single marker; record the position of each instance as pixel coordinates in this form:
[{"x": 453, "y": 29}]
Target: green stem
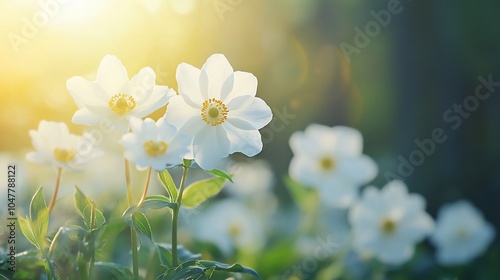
[
  {"x": 146, "y": 186},
  {"x": 133, "y": 234},
  {"x": 56, "y": 189},
  {"x": 175, "y": 212}
]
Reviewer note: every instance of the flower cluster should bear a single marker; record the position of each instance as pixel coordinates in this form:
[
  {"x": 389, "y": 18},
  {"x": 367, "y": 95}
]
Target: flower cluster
[
  {"x": 215, "y": 115},
  {"x": 386, "y": 223}
]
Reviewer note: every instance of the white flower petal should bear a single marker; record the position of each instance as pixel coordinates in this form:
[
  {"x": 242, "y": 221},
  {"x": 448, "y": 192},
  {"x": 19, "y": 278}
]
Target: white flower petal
[
  {"x": 84, "y": 116},
  {"x": 141, "y": 83},
  {"x": 158, "y": 99},
  {"x": 213, "y": 75},
  {"x": 209, "y": 146},
  {"x": 112, "y": 75},
  {"x": 179, "y": 113},
  {"x": 359, "y": 170},
  {"x": 85, "y": 92},
  {"x": 247, "y": 142},
  {"x": 257, "y": 112},
  {"x": 188, "y": 79},
  {"x": 244, "y": 84}
]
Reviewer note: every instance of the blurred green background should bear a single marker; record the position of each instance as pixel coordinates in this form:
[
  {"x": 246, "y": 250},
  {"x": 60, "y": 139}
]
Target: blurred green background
[{"x": 397, "y": 83}]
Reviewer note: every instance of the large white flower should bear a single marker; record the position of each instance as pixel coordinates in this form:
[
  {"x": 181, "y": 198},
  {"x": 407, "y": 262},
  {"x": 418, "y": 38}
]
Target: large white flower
[
  {"x": 331, "y": 159},
  {"x": 387, "y": 223},
  {"x": 55, "y": 145},
  {"x": 153, "y": 144},
  {"x": 461, "y": 233},
  {"x": 218, "y": 109},
  {"x": 115, "y": 98},
  {"x": 229, "y": 225}
]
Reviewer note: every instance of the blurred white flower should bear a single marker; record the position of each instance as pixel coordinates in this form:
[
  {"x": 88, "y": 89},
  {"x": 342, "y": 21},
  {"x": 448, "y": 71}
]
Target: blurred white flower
[
  {"x": 55, "y": 145},
  {"x": 387, "y": 223},
  {"x": 114, "y": 97},
  {"x": 461, "y": 233},
  {"x": 250, "y": 178},
  {"x": 228, "y": 224},
  {"x": 153, "y": 144},
  {"x": 331, "y": 159},
  {"x": 218, "y": 109}
]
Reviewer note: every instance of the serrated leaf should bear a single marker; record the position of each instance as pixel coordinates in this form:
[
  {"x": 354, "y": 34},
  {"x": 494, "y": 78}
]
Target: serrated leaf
[
  {"x": 168, "y": 184},
  {"x": 141, "y": 223},
  {"x": 37, "y": 204},
  {"x": 222, "y": 174},
  {"x": 27, "y": 230},
  {"x": 198, "y": 192},
  {"x": 81, "y": 201},
  {"x": 235, "y": 268}
]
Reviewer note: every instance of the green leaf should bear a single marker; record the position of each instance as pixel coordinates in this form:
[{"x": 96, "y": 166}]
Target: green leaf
[
  {"x": 81, "y": 201},
  {"x": 235, "y": 268},
  {"x": 183, "y": 254},
  {"x": 37, "y": 204},
  {"x": 222, "y": 174},
  {"x": 27, "y": 230},
  {"x": 141, "y": 223},
  {"x": 168, "y": 184},
  {"x": 87, "y": 217},
  {"x": 154, "y": 202},
  {"x": 198, "y": 192},
  {"x": 40, "y": 226},
  {"x": 111, "y": 271}
]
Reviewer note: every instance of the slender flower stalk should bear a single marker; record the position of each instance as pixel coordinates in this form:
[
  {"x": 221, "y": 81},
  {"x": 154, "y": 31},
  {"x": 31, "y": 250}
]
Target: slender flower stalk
[
  {"x": 175, "y": 212},
  {"x": 133, "y": 234},
  {"x": 56, "y": 189},
  {"x": 146, "y": 186}
]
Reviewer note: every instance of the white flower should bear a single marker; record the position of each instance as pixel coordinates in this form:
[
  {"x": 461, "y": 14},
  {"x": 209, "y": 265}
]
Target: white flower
[
  {"x": 113, "y": 97},
  {"x": 229, "y": 225},
  {"x": 218, "y": 109},
  {"x": 331, "y": 159},
  {"x": 153, "y": 144},
  {"x": 461, "y": 233},
  {"x": 55, "y": 145},
  {"x": 387, "y": 223},
  {"x": 250, "y": 178}
]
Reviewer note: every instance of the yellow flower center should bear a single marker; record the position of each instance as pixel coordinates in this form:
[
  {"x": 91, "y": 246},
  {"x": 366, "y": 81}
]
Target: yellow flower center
[
  {"x": 64, "y": 155},
  {"x": 155, "y": 148},
  {"x": 234, "y": 230},
  {"x": 388, "y": 226},
  {"x": 326, "y": 163},
  {"x": 214, "y": 112},
  {"x": 121, "y": 103},
  {"x": 462, "y": 233}
]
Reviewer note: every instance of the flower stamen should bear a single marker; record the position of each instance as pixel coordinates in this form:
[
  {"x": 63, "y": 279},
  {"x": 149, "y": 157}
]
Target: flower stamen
[
  {"x": 153, "y": 148},
  {"x": 388, "y": 226},
  {"x": 214, "y": 112},
  {"x": 64, "y": 155},
  {"x": 327, "y": 163},
  {"x": 121, "y": 103}
]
